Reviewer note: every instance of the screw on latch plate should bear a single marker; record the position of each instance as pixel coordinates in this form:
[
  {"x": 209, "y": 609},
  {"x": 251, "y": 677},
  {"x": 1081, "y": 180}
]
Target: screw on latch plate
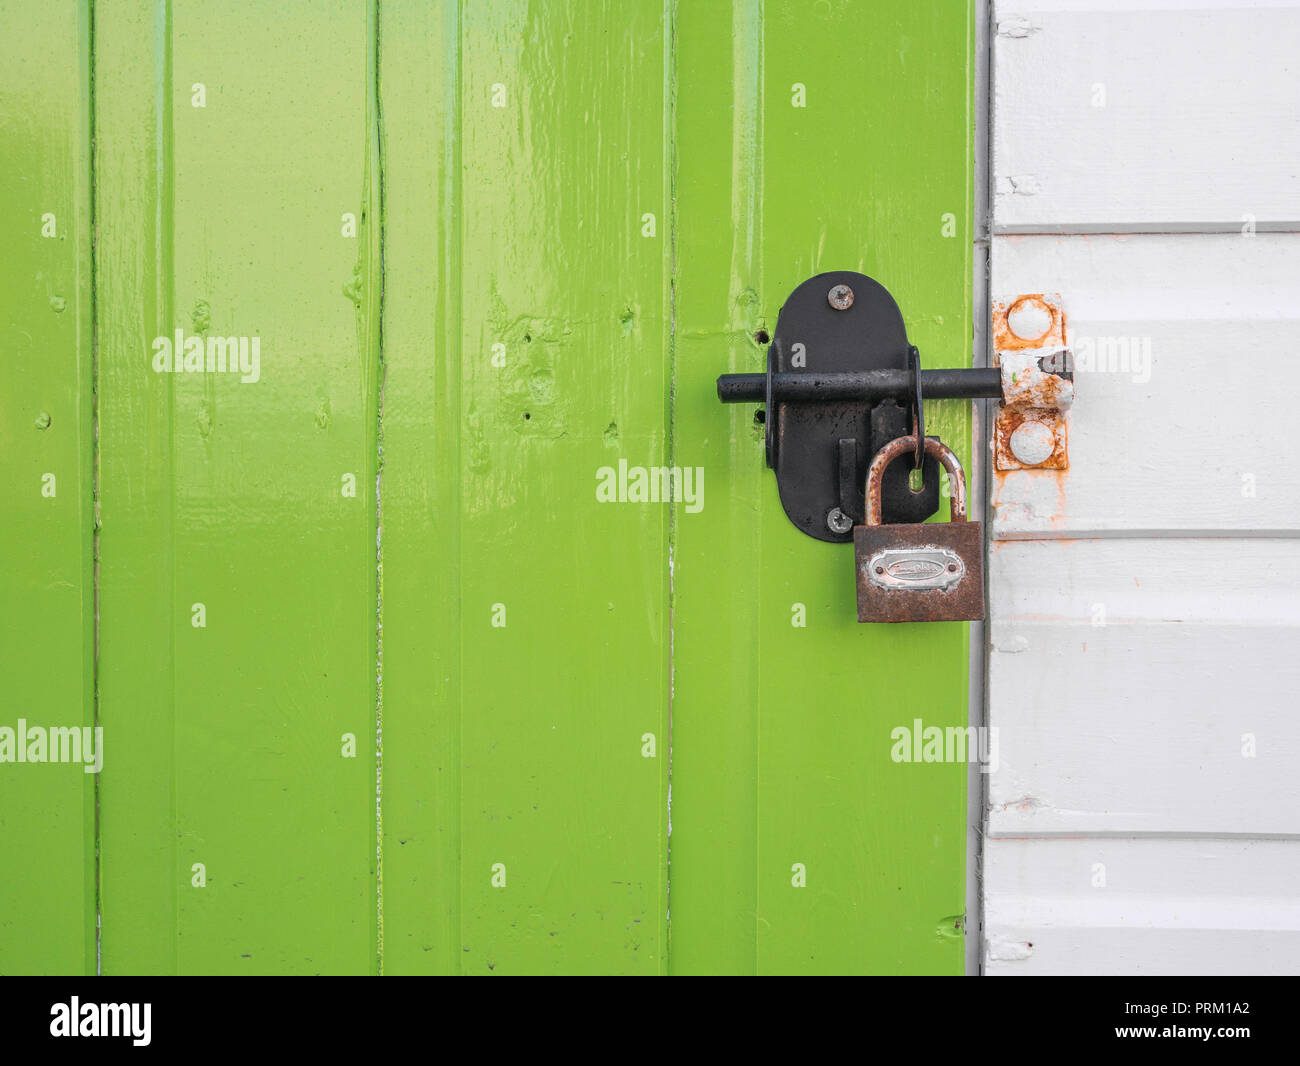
[
  {"x": 838, "y": 522},
  {"x": 840, "y": 297}
]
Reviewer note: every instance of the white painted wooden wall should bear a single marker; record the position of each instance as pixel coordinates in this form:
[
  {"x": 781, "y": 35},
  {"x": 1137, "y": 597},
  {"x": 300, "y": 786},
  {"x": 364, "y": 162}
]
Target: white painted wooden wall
[{"x": 1145, "y": 604}]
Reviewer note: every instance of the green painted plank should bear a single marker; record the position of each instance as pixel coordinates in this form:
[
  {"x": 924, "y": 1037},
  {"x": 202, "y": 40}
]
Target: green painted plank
[
  {"x": 140, "y": 871},
  {"x": 47, "y": 897},
  {"x": 226, "y": 220},
  {"x": 781, "y": 733},
  {"x": 419, "y": 87},
  {"x": 719, "y": 308},
  {"x": 526, "y": 652}
]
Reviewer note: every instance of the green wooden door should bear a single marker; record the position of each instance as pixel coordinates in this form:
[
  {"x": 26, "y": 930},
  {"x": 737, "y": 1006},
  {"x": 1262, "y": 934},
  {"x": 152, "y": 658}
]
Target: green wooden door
[{"x": 372, "y": 320}]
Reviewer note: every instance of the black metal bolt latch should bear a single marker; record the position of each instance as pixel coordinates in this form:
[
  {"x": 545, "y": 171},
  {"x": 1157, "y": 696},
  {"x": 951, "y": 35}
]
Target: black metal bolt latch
[{"x": 842, "y": 381}]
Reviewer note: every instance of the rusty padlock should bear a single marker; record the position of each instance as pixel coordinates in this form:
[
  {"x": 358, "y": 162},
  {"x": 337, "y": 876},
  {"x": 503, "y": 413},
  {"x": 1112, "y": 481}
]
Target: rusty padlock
[{"x": 919, "y": 572}]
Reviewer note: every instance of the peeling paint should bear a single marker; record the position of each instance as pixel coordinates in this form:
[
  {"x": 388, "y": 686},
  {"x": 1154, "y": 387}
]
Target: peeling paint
[
  {"x": 1017, "y": 27},
  {"x": 951, "y": 927},
  {"x": 1012, "y": 645},
  {"x": 999, "y": 949},
  {"x": 1018, "y": 185}
]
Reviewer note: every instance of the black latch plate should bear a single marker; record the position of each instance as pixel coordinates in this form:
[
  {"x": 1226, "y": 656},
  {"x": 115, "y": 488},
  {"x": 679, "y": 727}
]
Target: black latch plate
[{"x": 803, "y": 439}]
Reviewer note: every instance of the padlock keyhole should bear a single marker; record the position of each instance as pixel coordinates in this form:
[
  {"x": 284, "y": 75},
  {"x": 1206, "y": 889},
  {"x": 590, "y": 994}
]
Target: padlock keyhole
[{"x": 916, "y": 478}]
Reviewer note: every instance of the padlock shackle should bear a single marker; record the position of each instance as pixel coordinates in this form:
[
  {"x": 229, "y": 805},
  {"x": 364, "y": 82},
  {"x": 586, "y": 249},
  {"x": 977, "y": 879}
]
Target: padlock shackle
[{"x": 901, "y": 446}]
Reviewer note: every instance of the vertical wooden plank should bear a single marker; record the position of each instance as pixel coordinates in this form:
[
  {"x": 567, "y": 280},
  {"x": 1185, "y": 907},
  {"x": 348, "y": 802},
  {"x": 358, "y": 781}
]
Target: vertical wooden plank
[
  {"x": 228, "y": 161},
  {"x": 419, "y": 79},
  {"x": 139, "y": 866},
  {"x": 719, "y": 309},
  {"x": 544, "y": 345},
  {"x": 796, "y": 720},
  {"x": 47, "y": 897}
]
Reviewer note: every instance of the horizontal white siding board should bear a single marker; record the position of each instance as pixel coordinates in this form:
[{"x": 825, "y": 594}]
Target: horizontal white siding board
[
  {"x": 1111, "y": 116},
  {"x": 1142, "y": 906},
  {"x": 1180, "y": 582},
  {"x": 1187, "y": 354},
  {"x": 1125, "y": 677}
]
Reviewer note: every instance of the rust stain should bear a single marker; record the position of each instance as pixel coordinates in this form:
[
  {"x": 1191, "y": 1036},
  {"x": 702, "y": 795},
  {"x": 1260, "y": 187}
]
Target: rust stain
[
  {"x": 1059, "y": 514},
  {"x": 1037, "y": 377},
  {"x": 900, "y": 446},
  {"x": 1012, "y": 418},
  {"x": 1049, "y": 382},
  {"x": 1045, "y": 304}
]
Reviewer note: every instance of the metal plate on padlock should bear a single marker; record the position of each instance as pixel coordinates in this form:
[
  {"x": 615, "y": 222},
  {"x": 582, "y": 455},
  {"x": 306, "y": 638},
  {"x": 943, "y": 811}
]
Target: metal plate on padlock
[{"x": 915, "y": 568}]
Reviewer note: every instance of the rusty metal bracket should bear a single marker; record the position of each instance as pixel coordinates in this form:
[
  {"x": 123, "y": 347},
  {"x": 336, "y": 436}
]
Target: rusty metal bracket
[
  {"x": 1032, "y": 354},
  {"x": 841, "y": 383}
]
